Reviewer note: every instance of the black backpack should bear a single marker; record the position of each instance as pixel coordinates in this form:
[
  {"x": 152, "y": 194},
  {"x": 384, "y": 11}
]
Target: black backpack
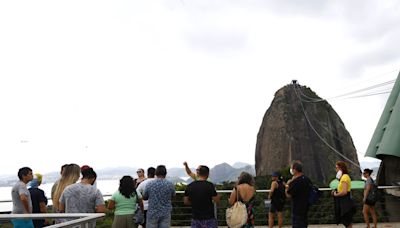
[
  {"x": 313, "y": 195},
  {"x": 373, "y": 194}
]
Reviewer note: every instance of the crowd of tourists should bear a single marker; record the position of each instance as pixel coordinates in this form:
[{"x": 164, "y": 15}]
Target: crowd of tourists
[{"x": 146, "y": 201}]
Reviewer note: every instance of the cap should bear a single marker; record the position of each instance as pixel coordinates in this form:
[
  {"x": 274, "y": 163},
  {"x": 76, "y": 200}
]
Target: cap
[
  {"x": 275, "y": 174},
  {"x": 85, "y": 167}
]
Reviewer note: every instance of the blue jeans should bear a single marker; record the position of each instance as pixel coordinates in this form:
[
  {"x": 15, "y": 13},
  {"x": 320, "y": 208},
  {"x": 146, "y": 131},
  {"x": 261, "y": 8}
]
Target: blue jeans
[{"x": 162, "y": 222}]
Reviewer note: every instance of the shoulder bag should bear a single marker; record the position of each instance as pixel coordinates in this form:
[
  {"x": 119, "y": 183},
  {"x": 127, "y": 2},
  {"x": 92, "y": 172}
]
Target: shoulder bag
[{"x": 236, "y": 215}]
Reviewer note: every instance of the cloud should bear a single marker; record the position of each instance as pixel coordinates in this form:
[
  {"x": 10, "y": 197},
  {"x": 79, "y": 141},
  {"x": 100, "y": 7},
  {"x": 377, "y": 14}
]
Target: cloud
[
  {"x": 216, "y": 39},
  {"x": 380, "y": 52}
]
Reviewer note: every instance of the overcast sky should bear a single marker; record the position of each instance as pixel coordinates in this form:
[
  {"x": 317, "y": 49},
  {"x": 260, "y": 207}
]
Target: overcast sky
[{"x": 140, "y": 83}]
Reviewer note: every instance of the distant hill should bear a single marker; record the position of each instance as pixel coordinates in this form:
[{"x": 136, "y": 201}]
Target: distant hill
[
  {"x": 225, "y": 172},
  {"x": 238, "y": 165},
  {"x": 218, "y": 174}
]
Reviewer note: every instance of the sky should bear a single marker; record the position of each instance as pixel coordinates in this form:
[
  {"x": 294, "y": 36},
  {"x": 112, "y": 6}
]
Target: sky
[{"x": 143, "y": 83}]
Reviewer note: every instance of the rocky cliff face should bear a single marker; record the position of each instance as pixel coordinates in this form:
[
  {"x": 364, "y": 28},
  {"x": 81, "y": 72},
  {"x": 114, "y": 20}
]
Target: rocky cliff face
[{"x": 286, "y": 135}]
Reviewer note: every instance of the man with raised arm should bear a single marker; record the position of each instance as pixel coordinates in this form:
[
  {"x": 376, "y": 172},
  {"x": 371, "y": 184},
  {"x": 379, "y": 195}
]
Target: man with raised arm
[{"x": 201, "y": 194}]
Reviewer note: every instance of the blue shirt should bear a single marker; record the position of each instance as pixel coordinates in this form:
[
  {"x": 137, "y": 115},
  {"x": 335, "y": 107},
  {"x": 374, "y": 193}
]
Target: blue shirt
[{"x": 159, "y": 193}]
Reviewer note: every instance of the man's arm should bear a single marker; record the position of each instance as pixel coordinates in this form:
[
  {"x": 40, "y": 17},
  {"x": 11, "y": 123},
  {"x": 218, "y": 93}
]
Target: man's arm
[
  {"x": 188, "y": 171},
  {"x": 186, "y": 200},
  {"x": 43, "y": 207},
  {"x": 100, "y": 204},
  {"x": 216, "y": 198},
  {"x": 145, "y": 194},
  {"x": 61, "y": 207},
  {"x": 141, "y": 204},
  {"x": 25, "y": 202},
  {"x": 100, "y": 208},
  {"x": 288, "y": 189}
]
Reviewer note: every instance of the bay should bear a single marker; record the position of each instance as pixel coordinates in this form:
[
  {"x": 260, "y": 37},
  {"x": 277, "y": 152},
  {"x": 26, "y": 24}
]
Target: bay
[{"x": 107, "y": 188}]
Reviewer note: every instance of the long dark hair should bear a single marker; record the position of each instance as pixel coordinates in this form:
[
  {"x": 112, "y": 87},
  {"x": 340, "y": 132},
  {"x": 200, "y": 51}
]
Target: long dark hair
[
  {"x": 127, "y": 186},
  {"x": 246, "y": 178}
]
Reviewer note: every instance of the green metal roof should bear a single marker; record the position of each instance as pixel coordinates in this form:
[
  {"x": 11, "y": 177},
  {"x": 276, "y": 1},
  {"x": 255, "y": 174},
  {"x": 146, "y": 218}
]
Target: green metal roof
[{"x": 386, "y": 138}]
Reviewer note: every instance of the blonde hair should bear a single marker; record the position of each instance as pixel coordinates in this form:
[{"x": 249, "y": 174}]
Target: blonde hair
[{"x": 69, "y": 176}]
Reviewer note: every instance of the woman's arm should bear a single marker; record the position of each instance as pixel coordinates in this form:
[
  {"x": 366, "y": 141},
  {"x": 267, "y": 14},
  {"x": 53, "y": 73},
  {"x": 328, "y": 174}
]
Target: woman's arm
[
  {"x": 274, "y": 185},
  {"x": 344, "y": 190},
  {"x": 233, "y": 197},
  {"x": 366, "y": 191},
  {"x": 111, "y": 204}
]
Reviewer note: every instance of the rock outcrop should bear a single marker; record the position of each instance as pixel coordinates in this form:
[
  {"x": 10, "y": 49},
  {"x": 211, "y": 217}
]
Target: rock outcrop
[{"x": 299, "y": 125}]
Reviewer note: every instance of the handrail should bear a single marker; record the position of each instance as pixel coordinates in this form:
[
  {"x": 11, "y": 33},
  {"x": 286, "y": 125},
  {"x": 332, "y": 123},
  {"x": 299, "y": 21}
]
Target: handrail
[
  {"x": 181, "y": 214},
  {"x": 78, "y": 218},
  {"x": 229, "y": 191}
]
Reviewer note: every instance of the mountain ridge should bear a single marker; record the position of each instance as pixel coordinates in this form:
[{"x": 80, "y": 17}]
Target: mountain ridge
[{"x": 218, "y": 174}]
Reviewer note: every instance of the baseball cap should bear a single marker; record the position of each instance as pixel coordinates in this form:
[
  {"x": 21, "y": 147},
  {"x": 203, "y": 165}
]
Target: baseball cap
[{"x": 275, "y": 174}]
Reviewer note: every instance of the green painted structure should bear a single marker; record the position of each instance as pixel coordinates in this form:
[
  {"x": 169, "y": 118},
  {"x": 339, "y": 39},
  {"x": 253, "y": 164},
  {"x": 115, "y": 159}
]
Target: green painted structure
[{"x": 386, "y": 138}]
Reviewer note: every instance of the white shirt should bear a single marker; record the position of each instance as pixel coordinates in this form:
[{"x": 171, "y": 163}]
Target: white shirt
[{"x": 140, "y": 190}]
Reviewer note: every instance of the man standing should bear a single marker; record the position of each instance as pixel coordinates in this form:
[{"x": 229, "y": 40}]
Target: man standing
[
  {"x": 140, "y": 191},
  {"x": 83, "y": 197},
  {"x": 201, "y": 194},
  {"x": 21, "y": 198},
  {"x": 298, "y": 189},
  {"x": 159, "y": 193}
]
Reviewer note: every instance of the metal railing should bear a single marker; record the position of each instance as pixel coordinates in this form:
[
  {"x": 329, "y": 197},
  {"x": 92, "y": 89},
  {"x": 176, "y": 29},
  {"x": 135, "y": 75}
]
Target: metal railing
[
  {"x": 322, "y": 212},
  {"x": 83, "y": 219}
]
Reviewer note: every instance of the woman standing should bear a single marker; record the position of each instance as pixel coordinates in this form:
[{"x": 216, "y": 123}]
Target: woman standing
[
  {"x": 344, "y": 204},
  {"x": 124, "y": 202},
  {"x": 277, "y": 197},
  {"x": 369, "y": 206},
  {"x": 70, "y": 175},
  {"x": 245, "y": 191}
]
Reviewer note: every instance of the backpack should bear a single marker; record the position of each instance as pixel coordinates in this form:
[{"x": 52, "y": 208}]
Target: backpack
[
  {"x": 373, "y": 194},
  {"x": 314, "y": 194},
  {"x": 236, "y": 215}
]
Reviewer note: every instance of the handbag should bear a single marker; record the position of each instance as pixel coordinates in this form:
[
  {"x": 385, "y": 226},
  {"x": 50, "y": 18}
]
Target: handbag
[
  {"x": 138, "y": 216},
  {"x": 236, "y": 215}
]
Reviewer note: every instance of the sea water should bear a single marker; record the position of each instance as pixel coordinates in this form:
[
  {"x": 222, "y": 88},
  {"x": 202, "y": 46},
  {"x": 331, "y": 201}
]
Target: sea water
[{"x": 107, "y": 188}]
